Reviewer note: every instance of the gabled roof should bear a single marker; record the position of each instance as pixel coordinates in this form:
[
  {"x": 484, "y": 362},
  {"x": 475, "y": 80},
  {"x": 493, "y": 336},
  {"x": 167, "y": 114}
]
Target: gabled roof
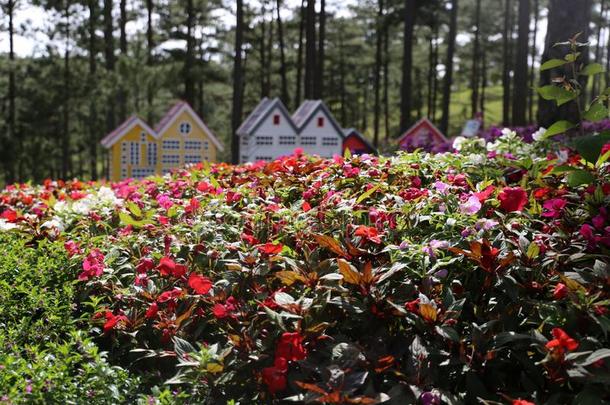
[
  {"x": 422, "y": 122},
  {"x": 308, "y": 110},
  {"x": 174, "y": 113},
  {"x": 260, "y": 114},
  {"x": 125, "y": 127},
  {"x": 353, "y": 131}
]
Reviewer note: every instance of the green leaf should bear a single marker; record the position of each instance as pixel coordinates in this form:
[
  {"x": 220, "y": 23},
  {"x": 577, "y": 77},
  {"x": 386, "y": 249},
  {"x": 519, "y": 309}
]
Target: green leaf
[
  {"x": 596, "y": 112},
  {"x": 571, "y": 57},
  {"x": 559, "y": 94},
  {"x": 590, "y": 146},
  {"x": 592, "y": 69},
  {"x": 134, "y": 209},
  {"x": 602, "y": 159},
  {"x": 367, "y": 194},
  {"x": 562, "y": 169},
  {"x": 347, "y": 153},
  {"x": 503, "y": 338},
  {"x": 533, "y": 251},
  {"x": 580, "y": 177},
  {"x": 448, "y": 333},
  {"x": 551, "y": 64},
  {"x": 558, "y": 128}
]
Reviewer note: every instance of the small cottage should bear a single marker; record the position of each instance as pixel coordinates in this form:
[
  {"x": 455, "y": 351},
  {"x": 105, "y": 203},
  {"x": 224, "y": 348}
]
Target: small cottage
[
  {"x": 423, "y": 135},
  {"x": 180, "y": 138},
  {"x": 270, "y": 131},
  {"x": 357, "y": 143}
]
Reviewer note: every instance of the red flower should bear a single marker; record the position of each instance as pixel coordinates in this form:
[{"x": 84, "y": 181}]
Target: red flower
[
  {"x": 306, "y": 207},
  {"x": 561, "y": 342},
  {"x": 485, "y": 194},
  {"x": 169, "y": 295},
  {"x": 112, "y": 320},
  {"x": 144, "y": 265},
  {"x": 225, "y": 310},
  {"x": 560, "y": 291},
  {"x": 290, "y": 347},
  {"x": 9, "y": 215},
  {"x": 199, "y": 283},
  {"x": 152, "y": 310},
  {"x": 271, "y": 248},
  {"x": 512, "y": 199},
  {"x": 275, "y": 377},
  {"x": 368, "y": 233},
  {"x": 167, "y": 267},
  {"x": 522, "y": 402},
  {"x": 72, "y": 248}
]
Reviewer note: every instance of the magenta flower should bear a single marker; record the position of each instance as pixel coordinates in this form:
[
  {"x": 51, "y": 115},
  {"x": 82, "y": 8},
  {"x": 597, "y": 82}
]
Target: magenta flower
[
  {"x": 470, "y": 206},
  {"x": 554, "y": 208}
]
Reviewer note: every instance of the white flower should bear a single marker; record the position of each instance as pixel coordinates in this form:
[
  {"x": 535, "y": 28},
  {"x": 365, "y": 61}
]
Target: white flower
[
  {"x": 476, "y": 158},
  {"x": 54, "y": 223},
  {"x": 458, "y": 142},
  {"x": 538, "y": 135},
  {"x": 60, "y": 206},
  {"x": 6, "y": 226},
  {"x": 508, "y": 133}
]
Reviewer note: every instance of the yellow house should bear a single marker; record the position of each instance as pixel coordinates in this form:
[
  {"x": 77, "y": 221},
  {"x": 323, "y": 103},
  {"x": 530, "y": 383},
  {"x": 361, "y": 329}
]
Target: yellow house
[{"x": 180, "y": 138}]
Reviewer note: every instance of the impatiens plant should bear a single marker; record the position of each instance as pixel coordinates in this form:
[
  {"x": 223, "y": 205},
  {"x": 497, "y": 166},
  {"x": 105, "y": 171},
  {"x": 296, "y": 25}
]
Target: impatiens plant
[{"x": 474, "y": 276}]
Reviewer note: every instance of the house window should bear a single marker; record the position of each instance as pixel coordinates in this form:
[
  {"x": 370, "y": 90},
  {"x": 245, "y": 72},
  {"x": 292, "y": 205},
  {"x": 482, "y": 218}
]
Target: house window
[
  {"x": 192, "y": 145},
  {"x": 192, "y": 159},
  {"x": 152, "y": 154},
  {"x": 206, "y": 145},
  {"x": 171, "y": 144},
  {"x": 276, "y": 119},
  {"x": 134, "y": 153},
  {"x": 141, "y": 173},
  {"x": 124, "y": 154},
  {"x": 264, "y": 158},
  {"x": 288, "y": 140},
  {"x": 308, "y": 140},
  {"x": 185, "y": 128},
  {"x": 320, "y": 122},
  {"x": 244, "y": 158},
  {"x": 170, "y": 159},
  {"x": 330, "y": 141},
  {"x": 245, "y": 141},
  {"x": 264, "y": 140},
  {"x": 143, "y": 137}
]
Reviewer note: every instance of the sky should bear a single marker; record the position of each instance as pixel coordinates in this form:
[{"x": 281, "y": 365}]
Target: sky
[{"x": 32, "y": 22}]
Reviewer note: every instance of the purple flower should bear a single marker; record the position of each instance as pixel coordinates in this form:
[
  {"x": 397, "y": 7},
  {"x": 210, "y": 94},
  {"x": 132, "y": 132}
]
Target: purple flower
[{"x": 470, "y": 206}]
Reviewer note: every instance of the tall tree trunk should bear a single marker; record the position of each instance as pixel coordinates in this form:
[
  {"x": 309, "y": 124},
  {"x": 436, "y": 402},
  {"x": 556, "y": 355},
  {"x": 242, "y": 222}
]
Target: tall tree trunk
[
  {"x": 299, "y": 67},
  {"x": 378, "y": 62},
  {"x": 342, "y": 74},
  {"x": 9, "y": 158},
  {"x": 270, "y": 57},
  {"x": 521, "y": 71},
  {"x": 608, "y": 56},
  {"x": 262, "y": 54},
  {"x": 474, "y": 80},
  {"x": 110, "y": 61},
  {"x": 407, "y": 64},
  {"x": 365, "y": 102},
  {"x": 448, "y": 80},
  {"x": 310, "y": 51},
  {"x": 237, "y": 82},
  {"x": 565, "y": 19},
  {"x": 122, "y": 96},
  {"x": 429, "y": 79},
  {"x": 189, "y": 60},
  {"x": 92, "y": 119},
  {"x": 420, "y": 94},
  {"x": 598, "y": 47},
  {"x": 506, "y": 63},
  {"x": 319, "y": 85},
  {"x": 65, "y": 141},
  {"x": 434, "y": 73},
  {"x": 532, "y": 80},
  {"x": 150, "y": 45},
  {"x": 386, "y": 79},
  {"x": 483, "y": 96},
  {"x": 283, "y": 67}
]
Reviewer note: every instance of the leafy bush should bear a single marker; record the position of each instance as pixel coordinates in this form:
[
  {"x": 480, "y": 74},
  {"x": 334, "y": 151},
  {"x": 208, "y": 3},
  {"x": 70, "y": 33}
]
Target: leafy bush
[{"x": 478, "y": 276}]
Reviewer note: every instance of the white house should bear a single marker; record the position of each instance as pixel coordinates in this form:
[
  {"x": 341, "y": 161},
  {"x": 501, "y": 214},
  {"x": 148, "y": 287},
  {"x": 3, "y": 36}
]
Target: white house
[{"x": 270, "y": 132}]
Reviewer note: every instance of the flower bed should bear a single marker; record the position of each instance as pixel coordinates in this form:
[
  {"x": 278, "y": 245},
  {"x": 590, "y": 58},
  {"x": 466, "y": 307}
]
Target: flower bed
[{"x": 420, "y": 278}]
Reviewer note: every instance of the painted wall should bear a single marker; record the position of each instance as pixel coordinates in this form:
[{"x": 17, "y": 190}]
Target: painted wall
[
  {"x": 260, "y": 148},
  {"x": 133, "y": 155},
  {"x": 334, "y": 143}
]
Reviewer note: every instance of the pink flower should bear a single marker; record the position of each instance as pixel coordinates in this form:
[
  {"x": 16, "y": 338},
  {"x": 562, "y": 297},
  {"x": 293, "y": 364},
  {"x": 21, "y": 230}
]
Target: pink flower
[
  {"x": 470, "y": 206},
  {"x": 560, "y": 291},
  {"x": 554, "y": 208},
  {"x": 164, "y": 201},
  {"x": 93, "y": 265},
  {"x": 72, "y": 248}
]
